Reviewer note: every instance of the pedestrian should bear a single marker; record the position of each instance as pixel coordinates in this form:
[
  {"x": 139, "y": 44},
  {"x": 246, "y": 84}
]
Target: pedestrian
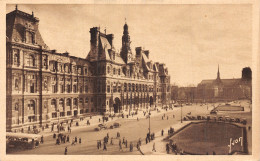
[
  {"x": 154, "y": 147},
  {"x": 123, "y": 140},
  {"x": 68, "y": 138},
  {"x": 120, "y": 145},
  {"x": 76, "y": 139},
  {"x": 105, "y": 147},
  {"x": 146, "y": 140},
  {"x": 126, "y": 143},
  {"x": 80, "y": 140},
  {"x": 131, "y": 146},
  {"x": 137, "y": 146},
  {"x": 167, "y": 148},
  {"x": 54, "y": 135},
  {"x": 99, "y": 120},
  {"x": 162, "y": 117},
  {"x": 66, "y": 151},
  {"x": 111, "y": 142},
  {"x": 167, "y": 118},
  {"x": 140, "y": 142},
  {"x": 162, "y": 132},
  {"x": 107, "y": 136},
  {"x": 42, "y": 139},
  {"x": 173, "y": 116},
  {"x": 214, "y": 153},
  {"x": 97, "y": 144},
  {"x": 137, "y": 119}
]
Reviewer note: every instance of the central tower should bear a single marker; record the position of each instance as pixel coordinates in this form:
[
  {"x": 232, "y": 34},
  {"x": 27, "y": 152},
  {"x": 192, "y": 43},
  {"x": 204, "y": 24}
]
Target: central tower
[{"x": 126, "y": 53}]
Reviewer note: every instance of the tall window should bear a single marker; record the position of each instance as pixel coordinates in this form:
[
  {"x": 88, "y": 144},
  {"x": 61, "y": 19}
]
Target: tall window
[
  {"x": 31, "y": 105},
  {"x": 53, "y": 105},
  {"x": 68, "y": 102},
  {"x": 125, "y": 87},
  {"x": 108, "y": 88},
  {"x": 86, "y": 89},
  {"x": 75, "y": 88},
  {"x": 75, "y": 102},
  {"x": 68, "y": 88},
  {"x": 16, "y": 84},
  {"x": 16, "y": 57},
  {"x": 31, "y": 61}
]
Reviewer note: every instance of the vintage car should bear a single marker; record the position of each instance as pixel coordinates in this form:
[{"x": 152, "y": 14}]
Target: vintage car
[
  {"x": 100, "y": 127},
  {"x": 237, "y": 120},
  {"x": 232, "y": 120},
  {"x": 243, "y": 121},
  {"x": 227, "y": 118},
  {"x": 213, "y": 112},
  {"x": 203, "y": 118},
  {"x": 220, "y": 118},
  {"x": 116, "y": 125}
]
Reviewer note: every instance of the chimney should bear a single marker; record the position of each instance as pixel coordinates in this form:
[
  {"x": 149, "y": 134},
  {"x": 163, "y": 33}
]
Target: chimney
[
  {"x": 146, "y": 52},
  {"x": 138, "y": 51},
  {"x": 110, "y": 38}
]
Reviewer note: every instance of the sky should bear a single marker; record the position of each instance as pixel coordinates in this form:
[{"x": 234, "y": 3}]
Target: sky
[{"x": 190, "y": 39}]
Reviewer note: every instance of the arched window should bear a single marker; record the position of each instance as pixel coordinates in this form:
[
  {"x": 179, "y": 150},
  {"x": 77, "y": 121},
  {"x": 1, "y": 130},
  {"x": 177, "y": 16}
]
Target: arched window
[
  {"x": 61, "y": 104},
  {"x": 75, "y": 102},
  {"x": 16, "y": 57},
  {"x": 53, "y": 105},
  {"x": 68, "y": 102}
]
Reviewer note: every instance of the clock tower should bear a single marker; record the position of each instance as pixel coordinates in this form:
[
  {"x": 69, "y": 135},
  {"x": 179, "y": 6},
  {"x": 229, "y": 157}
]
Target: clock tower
[{"x": 126, "y": 53}]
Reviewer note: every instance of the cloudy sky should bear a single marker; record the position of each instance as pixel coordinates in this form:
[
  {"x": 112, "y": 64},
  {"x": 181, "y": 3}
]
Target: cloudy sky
[{"x": 190, "y": 39}]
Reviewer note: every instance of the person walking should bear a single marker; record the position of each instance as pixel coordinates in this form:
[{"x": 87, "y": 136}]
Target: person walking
[
  {"x": 97, "y": 144},
  {"x": 173, "y": 116},
  {"x": 76, "y": 139},
  {"x": 162, "y": 132},
  {"x": 68, "y": 138},
  {"x": 66, "y": 151},
  {"x": 105, "y": 147},
  {"x": 107, "y": 136},
  {"x": 120, "y": 145},
  {"x": 123, "y": 140},
  {"x": 42, "y": 139},
  {"x": 80, "y": 140},
  {"x": 131, "y": 146},
  {"x": 154, "y": 147},
  {"x": 167, "y": 117},
  {"x": 126, "y": 143},
  {"x": 111, "y": 142},
  {"x": 167, "y": 148}
]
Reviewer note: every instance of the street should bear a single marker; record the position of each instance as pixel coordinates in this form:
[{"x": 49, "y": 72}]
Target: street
[{"x": 131, "y": 129}]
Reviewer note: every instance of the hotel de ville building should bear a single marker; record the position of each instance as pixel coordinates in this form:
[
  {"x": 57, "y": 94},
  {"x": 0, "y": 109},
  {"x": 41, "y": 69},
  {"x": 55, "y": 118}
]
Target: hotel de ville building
[{"x": 44, "y": 86}]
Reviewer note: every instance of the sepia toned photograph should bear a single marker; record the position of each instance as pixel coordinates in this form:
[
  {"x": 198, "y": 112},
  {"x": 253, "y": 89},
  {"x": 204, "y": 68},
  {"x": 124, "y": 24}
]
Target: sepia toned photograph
[{"x": 129, "y": 79}]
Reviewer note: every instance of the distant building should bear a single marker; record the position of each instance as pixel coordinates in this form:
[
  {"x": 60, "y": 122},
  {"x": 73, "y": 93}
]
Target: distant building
[
  {"x": 44, "y": 86},
  {"x": 225, "y": 89}
]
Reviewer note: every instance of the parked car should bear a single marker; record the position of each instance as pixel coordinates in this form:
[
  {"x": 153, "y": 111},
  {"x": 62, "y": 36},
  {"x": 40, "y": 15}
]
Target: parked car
[
  {"x": 97, "y": 129},
  {"x": 243, "y": 121},
  {"x": 227, "y": 118},
  {"x": 213, "y": 112},
  {"x": 102, "y": 126},
  {"x": 220, "y": 118},
  {"x": 116, "y": 125},
  {"x": 237, "y": 120},
  {"x": 232, "y": 120}
]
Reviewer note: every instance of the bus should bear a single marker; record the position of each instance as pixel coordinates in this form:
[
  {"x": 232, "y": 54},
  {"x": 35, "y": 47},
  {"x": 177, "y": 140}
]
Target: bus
[{"x": 20, "y": 141}]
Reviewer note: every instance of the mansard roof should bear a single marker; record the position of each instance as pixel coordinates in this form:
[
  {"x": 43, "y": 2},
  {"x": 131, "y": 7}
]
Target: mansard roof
[{"x": 17, "y": 22}]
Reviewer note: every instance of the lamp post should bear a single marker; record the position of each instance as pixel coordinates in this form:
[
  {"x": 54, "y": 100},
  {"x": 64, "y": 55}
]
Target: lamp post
[
  {"x": 150, "y": 122},
  {"x": 181, "y": 112}
]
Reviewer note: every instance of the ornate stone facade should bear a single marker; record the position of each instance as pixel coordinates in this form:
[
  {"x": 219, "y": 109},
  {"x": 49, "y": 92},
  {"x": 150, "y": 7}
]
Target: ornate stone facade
[{"x": 44, "y": 86}]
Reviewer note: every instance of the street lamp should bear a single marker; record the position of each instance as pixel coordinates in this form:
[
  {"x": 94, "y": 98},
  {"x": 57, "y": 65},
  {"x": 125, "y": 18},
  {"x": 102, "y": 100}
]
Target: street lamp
[{"x": 181, "y": 112}]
